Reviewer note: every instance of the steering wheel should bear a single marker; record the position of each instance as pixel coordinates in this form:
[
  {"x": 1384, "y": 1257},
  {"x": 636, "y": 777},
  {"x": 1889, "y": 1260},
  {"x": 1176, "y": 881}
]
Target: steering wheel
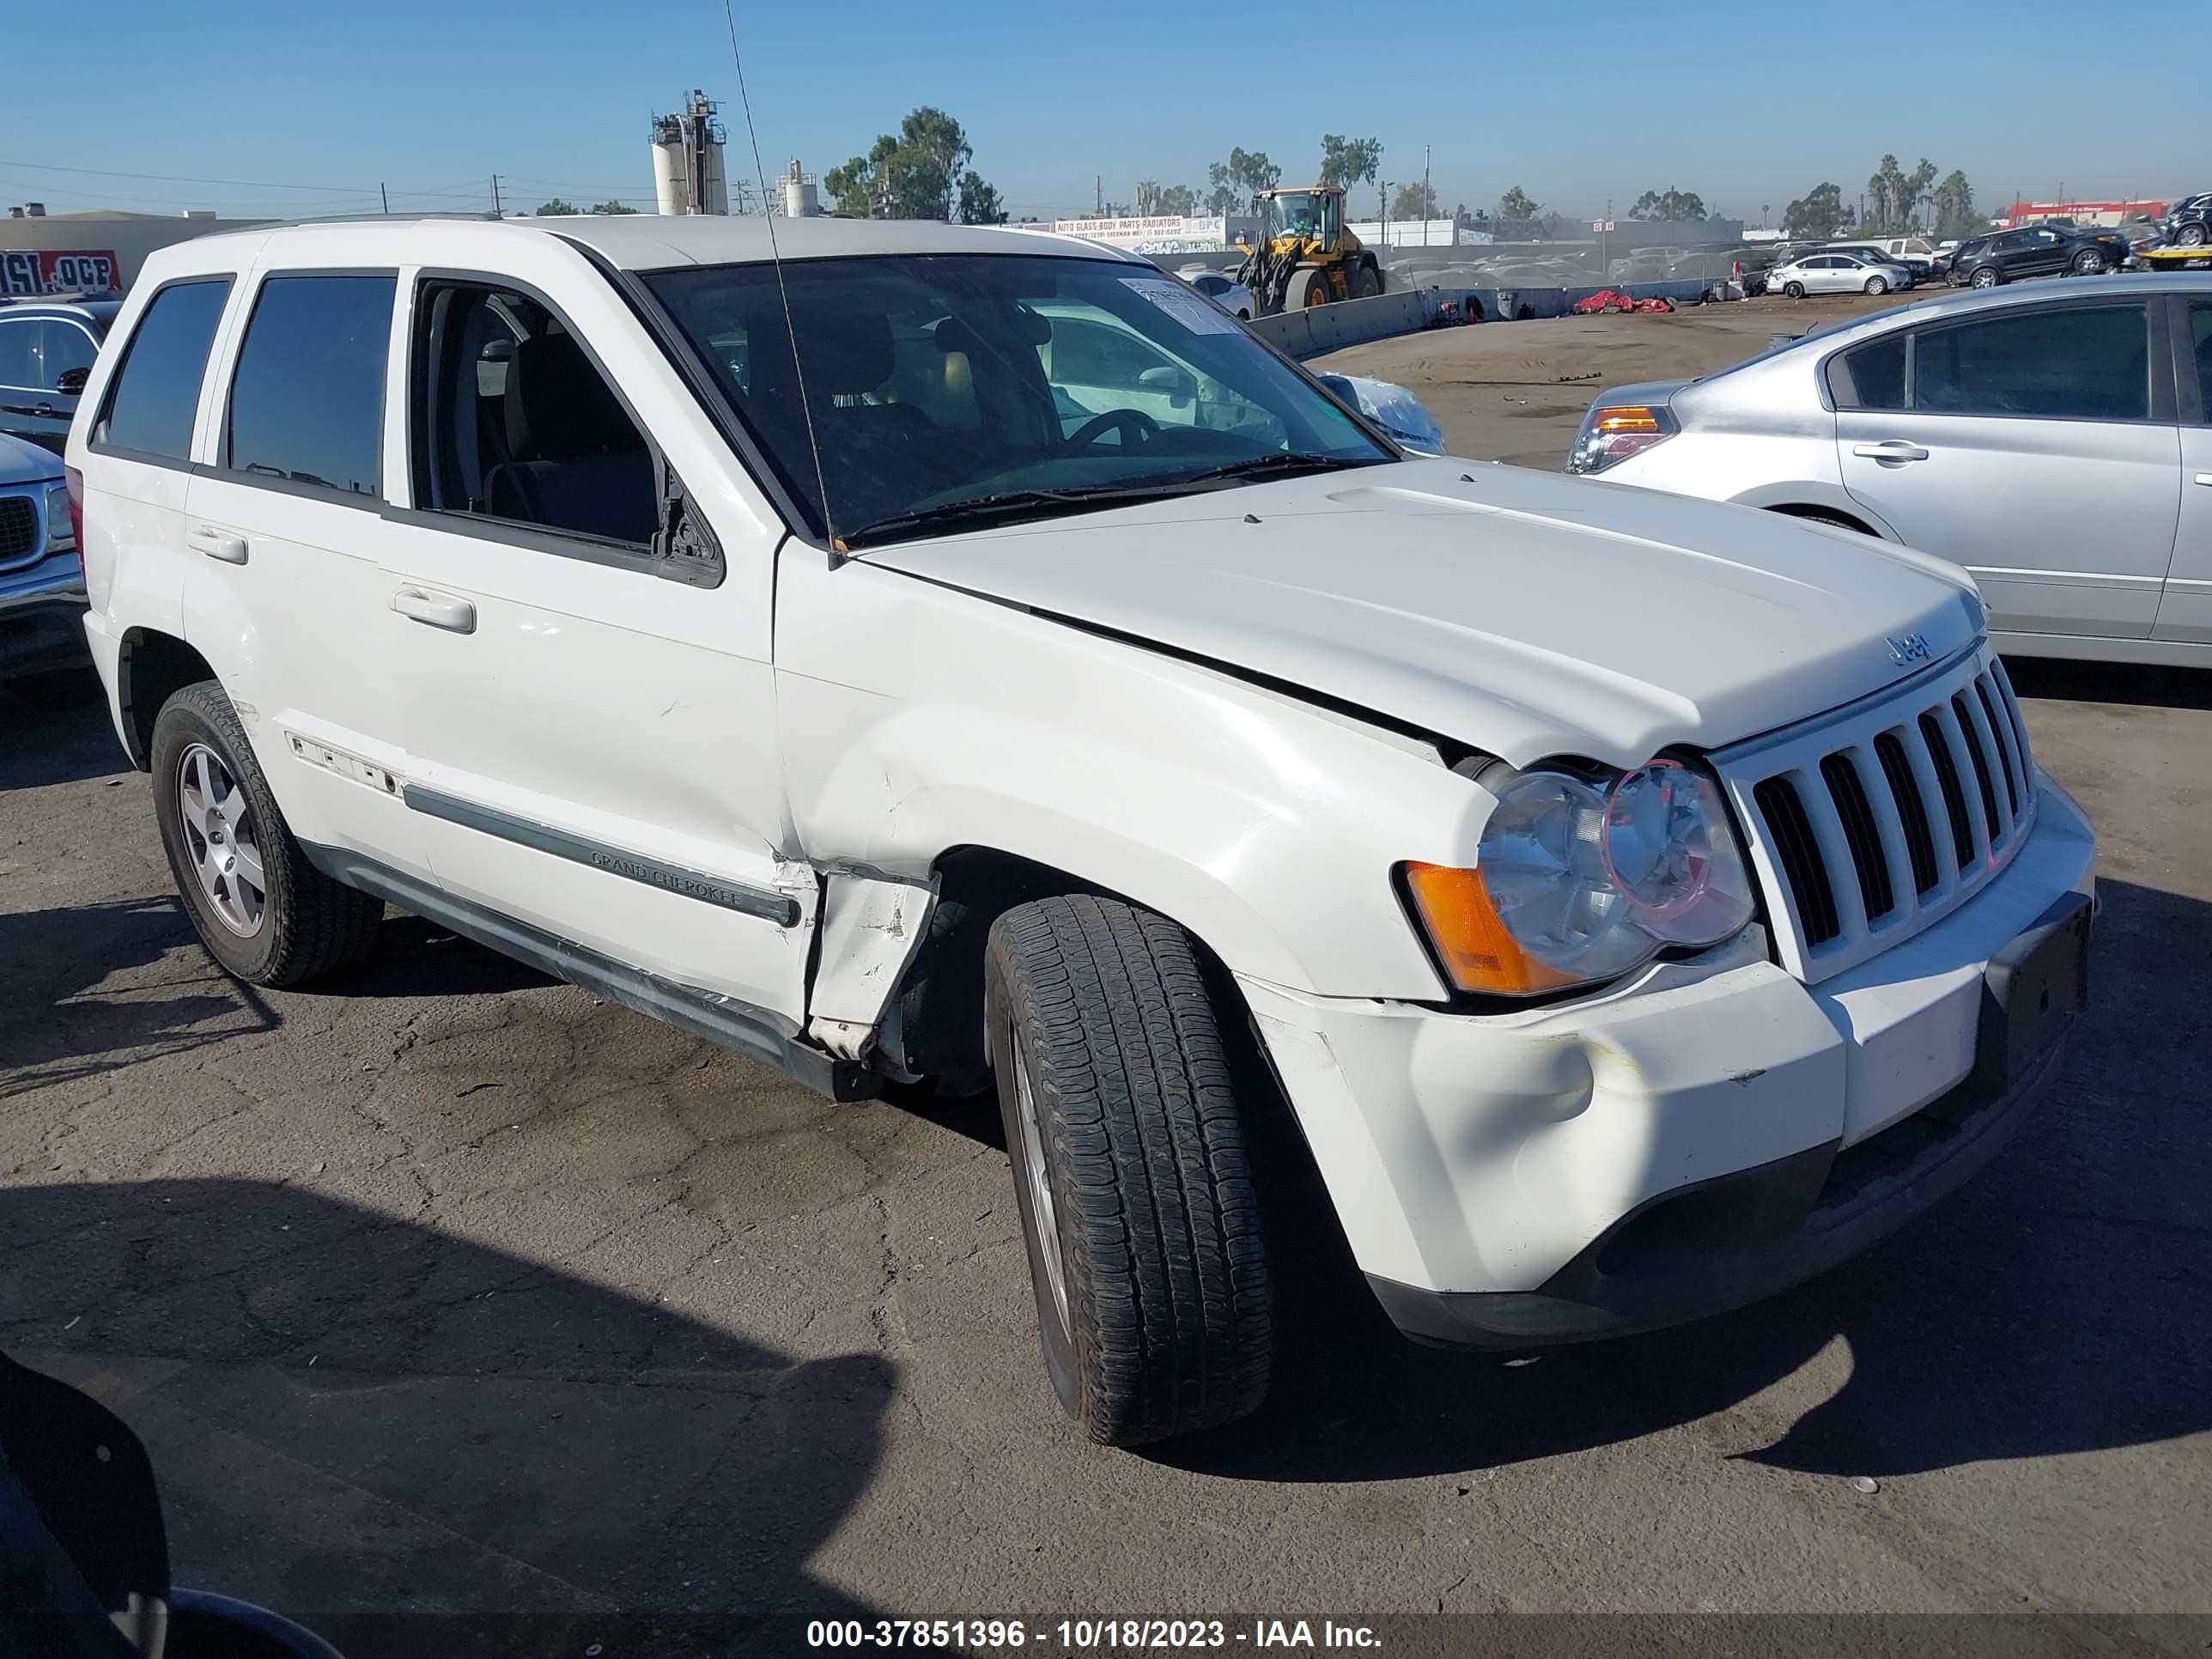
[{"x": 1135, "y": 426}]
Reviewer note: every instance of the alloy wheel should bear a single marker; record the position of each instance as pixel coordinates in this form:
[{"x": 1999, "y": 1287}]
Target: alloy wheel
[
  {"x": 221, "y": 840},
  {"x": 1040, "y": 1183}
]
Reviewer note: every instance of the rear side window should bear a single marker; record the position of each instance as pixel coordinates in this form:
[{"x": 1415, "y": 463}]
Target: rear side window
[
  {"x": 156, "y": 391},
  {"x": 2200, "y": 340},
  {"x": 2070, "y": 362},
  {"x": 1871, "y": 376},
  {"x": 306, "y": 403},
  {"x": 19, "y": 354}
]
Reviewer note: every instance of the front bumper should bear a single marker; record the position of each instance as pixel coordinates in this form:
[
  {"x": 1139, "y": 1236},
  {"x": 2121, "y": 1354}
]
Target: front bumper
[
  {"x": 42, "y": 609},
  {"x": 1703, "y": 1136}
]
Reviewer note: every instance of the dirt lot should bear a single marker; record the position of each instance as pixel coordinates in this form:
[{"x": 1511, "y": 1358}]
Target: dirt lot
[
  {"x": 463, "y": 1314},
  {"x": 1516, "y": 392}
]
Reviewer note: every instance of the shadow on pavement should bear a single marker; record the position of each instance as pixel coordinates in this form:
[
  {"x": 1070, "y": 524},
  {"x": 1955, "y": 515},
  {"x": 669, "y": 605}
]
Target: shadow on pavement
[
  {"x": 414, "y": 1444},
  {"x": 41, "y": 746},
  {"x": 2109, "y": 682},
  {"x": 2062, "y": 1302}
]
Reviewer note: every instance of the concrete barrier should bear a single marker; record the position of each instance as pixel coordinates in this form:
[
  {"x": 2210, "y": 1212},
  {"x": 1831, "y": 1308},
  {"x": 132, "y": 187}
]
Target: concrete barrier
[{"x": 1319, "y": 330}]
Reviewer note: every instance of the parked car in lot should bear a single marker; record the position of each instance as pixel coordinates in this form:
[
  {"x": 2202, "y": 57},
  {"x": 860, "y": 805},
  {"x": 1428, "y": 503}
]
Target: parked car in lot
[
  {"x": 2053, "y": 440},
  {"x": 47, "y": 349},
  {"x": 2037, "y": 251},
  {"x": 2188, "y": 222},
  {"x": 1225, "y": 290},
  {"x": 1920, "y": 266},
  {"x": 1828, "y": 272},
  {"x": 42, "y": 655},
  {"x": 1392, "y": 407},
  {"x": 1639, "y": 905}
]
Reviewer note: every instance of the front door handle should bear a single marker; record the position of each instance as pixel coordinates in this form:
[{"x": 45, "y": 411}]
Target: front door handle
[
  {"x": 217, "y": 544},
  {"x": 1890, "y": 449},
  {"x": 455, "y": 615},
  {"x": 2205, "y": 478}
]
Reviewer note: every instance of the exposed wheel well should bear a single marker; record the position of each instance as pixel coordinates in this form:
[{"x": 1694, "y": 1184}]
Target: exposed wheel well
[
  {"x": 155, "y": 666},
  {"x": 1828, "y": 515},
  {"x": 933, "y": 1023}
]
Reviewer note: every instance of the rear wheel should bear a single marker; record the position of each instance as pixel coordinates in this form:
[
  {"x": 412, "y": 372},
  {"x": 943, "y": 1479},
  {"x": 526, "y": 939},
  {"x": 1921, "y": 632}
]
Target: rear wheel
[
  {"x": 2192, "y": 236},
  {"x": 1308, "y": 287},
  {"x": 1794, "y": 290},
  {"x": 1367, "y": 283},
  {"x": 1131, "y": 1173},
  {"x": 262, "y": 911},
  {"x": 1984, "y": 276}
]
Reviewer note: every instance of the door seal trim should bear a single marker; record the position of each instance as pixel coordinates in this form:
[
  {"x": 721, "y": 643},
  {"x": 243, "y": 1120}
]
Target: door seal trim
[
  {"x": 723, "y": 1020},
  {"x": 780, "y": 909}
]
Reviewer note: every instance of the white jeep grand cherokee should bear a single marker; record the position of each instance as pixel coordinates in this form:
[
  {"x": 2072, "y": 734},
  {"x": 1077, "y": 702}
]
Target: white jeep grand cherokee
[{"x": 957, "y": 654}]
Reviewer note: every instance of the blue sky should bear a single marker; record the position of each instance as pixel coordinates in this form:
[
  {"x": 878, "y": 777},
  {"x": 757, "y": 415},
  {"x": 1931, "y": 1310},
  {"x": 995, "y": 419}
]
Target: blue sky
[{"x": 1747, "y": 105}]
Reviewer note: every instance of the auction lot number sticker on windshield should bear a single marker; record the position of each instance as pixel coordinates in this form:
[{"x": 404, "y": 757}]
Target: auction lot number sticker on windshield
[{"x": 1190, "y": 309}]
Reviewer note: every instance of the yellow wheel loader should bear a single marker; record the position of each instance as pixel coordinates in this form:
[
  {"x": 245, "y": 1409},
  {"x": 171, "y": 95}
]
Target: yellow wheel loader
[{"x": 1309, "y": 256}]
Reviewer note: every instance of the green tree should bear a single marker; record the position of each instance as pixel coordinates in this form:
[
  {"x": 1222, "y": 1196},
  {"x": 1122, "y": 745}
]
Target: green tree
[
  {"x": 1234, "y": 186},
  {"x": 610, "y": 206},
  {"x": 557, "y": 206},
  {"x": 1670, "y": 206},
  {"x": 919, "y": 174},
  {"x": 978, "y": 204},
  {"x": 1953, "y": 201},
  {"x": 1818, "y": 216},
  {"x": 1518, "y": 203},
  {"x": 1349, "y": 162},
  {"x": 1178, "y": 200},
  {"x": 1414, "y": 201}
]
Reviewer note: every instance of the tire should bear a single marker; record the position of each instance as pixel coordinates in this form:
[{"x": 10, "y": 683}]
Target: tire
[
  {"x": 1308, "y": 287},
  {"x": 2088, "y": 262},
  {"x": 1984, "y": 276},
  {"x": 1821, "y": 515},
  {"x": 57, "y": 688},
  {"x": 1366, "y": 284},
  {"x": 1130, "y": 1172},
  {"x": 2192, "y": 236},
  {"x": 1877, "y": 285},
  {"x": 304, "y": 923},
  {"x": 1794, "y": 290}
]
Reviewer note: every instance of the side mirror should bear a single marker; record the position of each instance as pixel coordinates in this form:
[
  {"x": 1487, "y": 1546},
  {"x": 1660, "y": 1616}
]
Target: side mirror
[
  {"x": 1180, "y": 385},
  {"x": 71, "y": 381}
]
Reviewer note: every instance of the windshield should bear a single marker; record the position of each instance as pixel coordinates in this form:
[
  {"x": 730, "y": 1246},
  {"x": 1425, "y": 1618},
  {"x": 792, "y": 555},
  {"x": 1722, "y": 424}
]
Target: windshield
[
  {"x": 996, "y": 381},
  {"x": 1306, "y": 214}
]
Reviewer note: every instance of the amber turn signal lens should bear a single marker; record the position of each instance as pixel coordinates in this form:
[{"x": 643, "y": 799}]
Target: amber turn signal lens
[
  {"x": 1628, "y": 417},
  {"x": 1477, "y": 951}
]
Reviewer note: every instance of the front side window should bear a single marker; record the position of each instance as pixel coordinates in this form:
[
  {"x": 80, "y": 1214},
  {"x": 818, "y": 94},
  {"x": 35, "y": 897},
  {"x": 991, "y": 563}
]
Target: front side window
[
  {"x": 306, "y": 403},
  {"x": 983, "y": 385},
  {"x": 2070, "y": 362},
  {"x": 2200, "y": 340},
  {"x": 515, "y": 423},
  {"x": 156, "y": 394}
]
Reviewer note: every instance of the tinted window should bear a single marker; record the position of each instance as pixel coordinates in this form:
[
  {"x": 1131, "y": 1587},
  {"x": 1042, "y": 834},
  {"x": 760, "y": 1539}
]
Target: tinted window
[
  {"x": 62, "y": 347},
  {"x": 18, "y": 358},
  {"x": 1871, "y": 376},
  {"x": 2078, "y": 362},
  {"x": 308, "y": 401},
  {"x": 156, "y": 391},
  {"x": 2200, "y": 339}
]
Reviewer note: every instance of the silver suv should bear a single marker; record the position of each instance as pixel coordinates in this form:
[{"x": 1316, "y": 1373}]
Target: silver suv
[{"x": 2056, "y": 441}]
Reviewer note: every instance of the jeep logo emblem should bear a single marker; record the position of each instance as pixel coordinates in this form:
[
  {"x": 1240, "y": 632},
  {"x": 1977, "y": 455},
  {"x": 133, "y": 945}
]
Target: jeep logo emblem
[{"x": 1912, "y": 648}]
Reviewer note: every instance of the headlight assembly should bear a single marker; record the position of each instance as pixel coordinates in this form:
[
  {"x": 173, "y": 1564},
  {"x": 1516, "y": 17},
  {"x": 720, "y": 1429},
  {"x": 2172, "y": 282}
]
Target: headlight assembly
[{"x": 1578, "y": 881}]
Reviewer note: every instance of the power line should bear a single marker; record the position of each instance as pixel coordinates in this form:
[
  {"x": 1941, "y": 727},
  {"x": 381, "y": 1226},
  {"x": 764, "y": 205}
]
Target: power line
[{"x": 186, "y": 178}]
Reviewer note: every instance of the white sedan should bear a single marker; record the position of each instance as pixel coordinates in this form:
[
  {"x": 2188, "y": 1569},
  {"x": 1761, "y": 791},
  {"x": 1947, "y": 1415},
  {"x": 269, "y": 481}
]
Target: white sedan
[
  {"x": 1836, "y": 273},
  {"x": 1231, "y": 296}
]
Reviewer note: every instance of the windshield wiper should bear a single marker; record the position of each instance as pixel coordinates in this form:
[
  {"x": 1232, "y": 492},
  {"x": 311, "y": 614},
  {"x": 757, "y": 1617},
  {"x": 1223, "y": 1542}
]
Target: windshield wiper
[{"x": 1260, "y": 466}]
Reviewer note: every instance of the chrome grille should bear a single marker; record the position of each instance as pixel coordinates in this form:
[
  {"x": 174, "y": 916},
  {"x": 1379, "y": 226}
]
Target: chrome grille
[
  {"x": 19, "y": 528},
  {"x": 1868, "y": 824}
]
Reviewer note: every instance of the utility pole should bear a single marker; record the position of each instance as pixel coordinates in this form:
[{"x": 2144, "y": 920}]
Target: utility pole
[
  {"x": 1098, "y": 195},
  {"x": 382, "y": 197},
  {"x": 1762, "y": 215},
  {"x": 496, "y": 212},
  {"x": 1428, "y": 206},
  {"x": 1382, "y": 208}
]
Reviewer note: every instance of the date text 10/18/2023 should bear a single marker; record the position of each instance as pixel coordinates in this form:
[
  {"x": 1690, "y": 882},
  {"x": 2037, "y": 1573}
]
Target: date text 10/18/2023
[{"x": 1086, "y": 1635}]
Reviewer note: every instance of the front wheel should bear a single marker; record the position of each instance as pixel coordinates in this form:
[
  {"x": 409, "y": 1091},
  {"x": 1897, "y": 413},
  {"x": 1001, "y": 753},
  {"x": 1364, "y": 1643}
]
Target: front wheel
[
  {"x": 1308, "y": 287},
  {"x": 1131, "y": 1174},
  {"x": 264, "y": 912},
  {"x": 2088, "y": 264},
  {"x": 1877, "y": 285},
  {"x": 1794, "y": 290}
]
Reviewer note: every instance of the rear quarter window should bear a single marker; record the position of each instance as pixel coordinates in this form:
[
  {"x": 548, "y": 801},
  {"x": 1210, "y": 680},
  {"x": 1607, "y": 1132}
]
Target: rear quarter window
[{"x": 155, "y": 393}]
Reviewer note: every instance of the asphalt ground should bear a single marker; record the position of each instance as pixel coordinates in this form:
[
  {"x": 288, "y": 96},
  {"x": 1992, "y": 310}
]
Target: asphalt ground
[{"x": 462, "y": 1313}]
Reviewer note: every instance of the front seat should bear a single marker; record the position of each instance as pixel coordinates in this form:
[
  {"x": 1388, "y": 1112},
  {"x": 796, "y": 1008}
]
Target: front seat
[{"x": 579, "y": 462}]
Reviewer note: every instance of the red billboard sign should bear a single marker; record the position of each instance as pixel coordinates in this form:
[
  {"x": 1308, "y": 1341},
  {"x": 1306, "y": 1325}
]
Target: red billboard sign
[{"x": 58, "y": 271}]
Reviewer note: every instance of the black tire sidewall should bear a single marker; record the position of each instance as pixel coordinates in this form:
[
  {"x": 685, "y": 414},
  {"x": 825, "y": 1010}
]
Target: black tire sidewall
[
  {"x": 184, "y": 721},
  {"x": 1793, "y": 290},
  {"x": 1062, "y": 1362}
]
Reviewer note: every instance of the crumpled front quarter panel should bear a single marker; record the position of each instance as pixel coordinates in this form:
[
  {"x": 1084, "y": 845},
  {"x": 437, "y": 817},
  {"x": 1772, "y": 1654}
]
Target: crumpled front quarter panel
[{"x": 916, "y": 718}]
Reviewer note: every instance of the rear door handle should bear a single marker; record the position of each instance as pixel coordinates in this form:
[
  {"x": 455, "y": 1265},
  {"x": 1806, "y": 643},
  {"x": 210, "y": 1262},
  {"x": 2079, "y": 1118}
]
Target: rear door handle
[
  {"x": 217, "y": 544},
  {"x": 2205, "y": 478},
  {"x": 440, "y": 611},
  {"x": 1890, "y": 449},
  {"x": 44, "y": 411}
]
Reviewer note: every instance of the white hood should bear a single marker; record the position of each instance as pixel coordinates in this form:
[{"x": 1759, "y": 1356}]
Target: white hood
[
  {"x": 1526, "y": 614},
  {"x": 22, "y": 463}
]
